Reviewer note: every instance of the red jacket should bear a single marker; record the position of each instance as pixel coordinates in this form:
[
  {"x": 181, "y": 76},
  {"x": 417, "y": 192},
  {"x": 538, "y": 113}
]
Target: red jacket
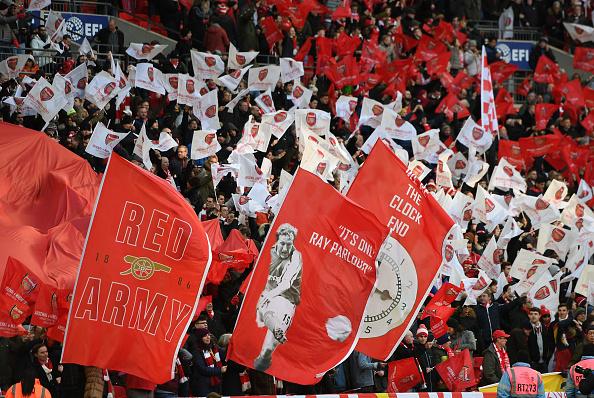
[{"x": 216, "y": 39}]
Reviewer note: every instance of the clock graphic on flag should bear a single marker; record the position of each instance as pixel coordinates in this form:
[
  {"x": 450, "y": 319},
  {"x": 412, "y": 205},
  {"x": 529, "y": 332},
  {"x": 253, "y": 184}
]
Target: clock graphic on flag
[{"x": 395, "y": 290}]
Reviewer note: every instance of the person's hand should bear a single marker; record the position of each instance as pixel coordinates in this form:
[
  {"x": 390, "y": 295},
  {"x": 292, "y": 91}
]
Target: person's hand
[
  {"x": 224, "y": 369},
  {"x": 380, "y": 373},
  {"x": 60, "y": 368}
]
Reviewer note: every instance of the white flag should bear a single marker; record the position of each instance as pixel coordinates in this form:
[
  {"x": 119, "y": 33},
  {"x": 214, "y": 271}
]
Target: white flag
[
  {"x": 545, "y": 292},
  {"x": 189, "y": 89},
  {"x": 585, "y": 278},
  {"x": 264, "y": 77},
  {"x": 249, "y": 172},
  {"x": 538, "y": 210},
  {"x": 165, "y": 142},
  {"x": 584, "y": 192},
  {"x": 427, "y": 146},
  {"x": 232, "y": 80},
  {"x": 528, "y": 267},
  {"x": 318, "y": 160},
  {"x": 261, "y": 138},
  {"x": 204, "y": 144},
  {"x": 443, "y": 175},
  {"x": 577, "y": 214},
  {"x": 145, "y": 51},
  {"x": 78, "y": 78},
  {"x": 265, "y": 102},
  {"x": 476, "y": 171},
  {"x": 123, "y": 85},
  {"x": 85, "y": 47},
  {"x": 371, "y": 113},
  {"x": 458, "y": 165},
  {"x": 13, "y": 65},
  {"x": 345, "y": 106},
  {"x": 505, "y": 176},
  {"x": 474, "y": 135},
  {"x": 396, "y": 127},
  {"x": 103, "y": 141},
  {"x": 477, "y": 288},
  {"x": 556, "y": 193},
  {"x": 171, "y": 84},
  {"x": 418, "y": 169},
  {"x": 231, "y": 104},
  {"x": 581, "y": 33},
  {"x": 218, "y": 171},
  {"x": 65, "y": 88},
  {"x": 142, "y": 148},
  {"x": 461, "y": 209},
  {"x": 38, "y": 5},
  {"x": 206, "y": 110},
  {"x": 315, "y": 120},
  {"x": 555, "y": 238},
  {"x": 290, "y": 69},
  {"x": 506, "y": 24},
  {"x": 488, "y": 111},
  {"x": 149, "y": 78},
  {"x": 490, "y": 261},
  {"x": 45, "y": 99},
  {"x": 510, "y": 230},
  {"x": 277, "y": 123},
  {"x": 301, "y": 95},
  {"x": 55, "y": 26},
  {"x": 488, "y": 210},
  {"x": 207, "y": 66},
  {"x": 239, "y": 60}
]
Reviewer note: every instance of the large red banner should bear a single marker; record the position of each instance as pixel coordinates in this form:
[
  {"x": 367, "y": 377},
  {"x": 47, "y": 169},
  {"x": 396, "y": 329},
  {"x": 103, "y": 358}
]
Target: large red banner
[
  {"x": 143, "y": 267},
  {"x": 306, "y": 298},
  {"x": 410, "y": 256}
]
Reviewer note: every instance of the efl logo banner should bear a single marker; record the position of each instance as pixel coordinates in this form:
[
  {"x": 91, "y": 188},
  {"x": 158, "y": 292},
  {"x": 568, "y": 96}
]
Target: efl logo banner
[
  {"x": 143, "y": 266},
  {"x": 410, "y": 257},
  {"x": 310, "y": 285}
]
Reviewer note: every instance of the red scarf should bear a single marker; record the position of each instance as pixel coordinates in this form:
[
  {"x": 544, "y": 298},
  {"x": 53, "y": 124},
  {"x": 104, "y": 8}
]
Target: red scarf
[
  {"x": 503, "y": 358},
  {"x": 213, "y": 360}
]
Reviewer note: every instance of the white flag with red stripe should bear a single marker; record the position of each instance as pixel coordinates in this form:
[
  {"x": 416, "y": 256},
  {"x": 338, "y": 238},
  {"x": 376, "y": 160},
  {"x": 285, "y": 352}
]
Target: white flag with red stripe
[{"x": 488, "y": 111}]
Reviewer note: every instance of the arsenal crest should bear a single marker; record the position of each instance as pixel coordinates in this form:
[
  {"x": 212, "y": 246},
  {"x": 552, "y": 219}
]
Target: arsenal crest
[
  {"x": 209, "y": 138},
  {"x": 46, "y": 94},
  {"x": 280, "y": 117},
  {"x": 190, "y": 88},
  {"x": 211, "y": 111},
  {"x": 210, "y": 61},
  {"x": 377, "y": 110},
  {"x": 109, "y": 88},
  {"x": 310, "y": 119},
  {"x": 262, "y": 74}
]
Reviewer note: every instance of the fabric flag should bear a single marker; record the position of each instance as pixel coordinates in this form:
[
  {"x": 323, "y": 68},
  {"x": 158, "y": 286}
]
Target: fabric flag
[
  {"x": 239, "y": 60},
  {"x": 18, "y": 291},
  {"x": 249, "y": 172},
  {"x": 85, "y": 47},
  {"x": 102, "y": 89},
  {"x": 125, "y": 86},
  {"x": 458, "y": 165},
  {"x": 536, "y": 208},
  {"x": 206, "y": 110},
  {"x": 473, "y": 135},
  {"x": 403, "y": 375},
  {"x": 490, "y": 261},
  {"x": 143, "y": 283},
  {"x": 188, "y": 89},
  {"x": 277, "y": 123},
  {"x": 282, "y": 324},
  {"x": 443, "y": 174},
  {"x": 427, "y": 146},
  {"x": 232, "y": 80},
  {"x": 149, "y": 78},
  {"x": 585, "y": 278},
  {"x": 487, "y": 210},
  {"x": 301, "y": 95},
  {"x": 584, "y": 192},
  {"x": 317, "y": 121},
  {"x": 371, "y": 113},
  {"x": 527, "y": 268},
  {"x": 78, "y": 78},
  {"x": 476, "y": 288},
  {"x": 547, "y": 71},
  {"x": 505, "y": 177},
  {"x": 583, "y": 58},
  {"x": 556, "y": 193},
  {"x": 38, "y": 5},
  {"x": 231, "y": 104},
  {"x": 204, "y": 144},
  {"x": 317, "y": 159},
  {"x": 457, "y": 372},
  {"x": 476, "y": 171},
  {"x": 445, "y": 296},
  {"x": 103, "y": 141},
  {"x": 264, "y": 77},
  {"x": 543, "y": 113},
  {"x": 44, "y": 98},
  {"x": 418, "y": 169},
  {"x": 145, "y": 51},
  {"x": 396, "y": 127},
  {"x": 555, "y": 238},
  {"x": 506, "y": 24},
  {"x": 171, "y": 84},
  {"x": 501, "y": 71},
  {"x": 588, "y": 122},
  {"x": 290, "y": 69},
  {"x": 271, "y": 31},
  {"x": 12, "y": 66},
  {"x": 407, "y": 263},
  {"x": 45, "y": 311},
  {"x": 510, "y": 230},
  {"x": 488, "y": 111},
  {"x": 461, "y": 209},
  {"x": 345, "y": 106},
  {"x": 581, "y": 33},
  {"x": 265, "y": 102},
  {"x": 590, "y": 296},
  {"x": 545, "y": 292},
  {"x": 64, "y": 88},
  {"x": 206, "y": 66},
  {"x": 55, "y": 26}
]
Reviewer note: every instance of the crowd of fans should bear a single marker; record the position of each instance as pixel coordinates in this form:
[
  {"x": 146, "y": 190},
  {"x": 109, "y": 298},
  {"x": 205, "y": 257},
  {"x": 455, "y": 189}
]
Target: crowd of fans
[{"x": 498, "y": 321}]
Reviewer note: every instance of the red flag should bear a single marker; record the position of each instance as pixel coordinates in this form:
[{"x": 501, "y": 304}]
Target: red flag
[
  {"x": 283, "y": 325},
  {"x": 588, "y": 122},
  {"x": 218, "y": 269},
  {"x": 501, "y": 71},
  {"x": 386, "y": 187},
  {"x": 461, "y": 81},
  {"x": 543, "y": 113},
  {"x": 46, "y": 308},
  {"x": 572, "y": 92},
  {"x": 407, "y": 42},
  {"x": 57, "y": 331},
  {"x": 438, "y": 65},
  {"x": 512, "y": 152},
  {"x": 323, "y": 53},
  {"x": 438, "y": 324},
  {"x": 345, "y": 44},
  {"x": 547, "y": 71},
  {"x": 504, "y": 103},
  {"x": 444, "y": 31},
  {"x": 445, "y": 296},
  {"x": 403, "y": 375},
  {"x": 457, "y": 372},
  {"x": 540, "y": 145},
  {"x": 450, "y": 105},
  {"x": 271, "y": 31},
  {"x": 140, "y": 276},
  {"x": 371, "y": 55},
  {"x": 588, "y": 97},
  {"x": 524, "y": 88},
  {"x": 583, "y": 58},
  {"x": 343, "y": 11},
  {"x": 19, "y": 283},
  {"x": 234, "y": 252},
  {"x": 429, "y": 48},
  {"x": 304, "y": 49}
]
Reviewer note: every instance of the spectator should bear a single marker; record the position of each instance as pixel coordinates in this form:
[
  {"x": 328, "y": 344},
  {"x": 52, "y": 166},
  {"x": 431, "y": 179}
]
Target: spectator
[
  {"x": 542, "y": 48},
  {"x": 539, "y": 342},
  {"x": 495, "y": 360},
  {"x": 207, "y": 366},
  {"x": 362, "y": 371},
  {"x": 215, "y": 38},
  {"x": 110, "y": 39}
]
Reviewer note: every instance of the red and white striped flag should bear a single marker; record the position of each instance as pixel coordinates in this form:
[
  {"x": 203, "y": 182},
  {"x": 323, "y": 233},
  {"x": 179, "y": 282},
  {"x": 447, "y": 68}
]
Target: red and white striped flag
[{"x": 488, "y": 111}]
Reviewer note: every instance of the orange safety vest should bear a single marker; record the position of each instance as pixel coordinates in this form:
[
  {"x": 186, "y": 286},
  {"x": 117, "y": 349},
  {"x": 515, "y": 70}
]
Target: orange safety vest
[
  {"x": 524, "y": 381},
  {"x": 39, "y": 391},
  {"x": 577, "y": 377}
]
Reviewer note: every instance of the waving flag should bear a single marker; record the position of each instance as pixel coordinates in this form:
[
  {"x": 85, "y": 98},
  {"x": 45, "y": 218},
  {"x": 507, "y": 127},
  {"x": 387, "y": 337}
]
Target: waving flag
[{"x": 488, "y": 111}]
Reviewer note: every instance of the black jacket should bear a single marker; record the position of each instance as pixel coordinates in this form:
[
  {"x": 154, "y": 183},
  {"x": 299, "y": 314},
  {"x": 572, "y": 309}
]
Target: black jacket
[{"x": 102, "y": 39}]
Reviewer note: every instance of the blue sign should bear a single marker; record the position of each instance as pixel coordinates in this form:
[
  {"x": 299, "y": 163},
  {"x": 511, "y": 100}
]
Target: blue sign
[
  {"x": 516, "y": 52},
  {"x": 78, "y": 26}
]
